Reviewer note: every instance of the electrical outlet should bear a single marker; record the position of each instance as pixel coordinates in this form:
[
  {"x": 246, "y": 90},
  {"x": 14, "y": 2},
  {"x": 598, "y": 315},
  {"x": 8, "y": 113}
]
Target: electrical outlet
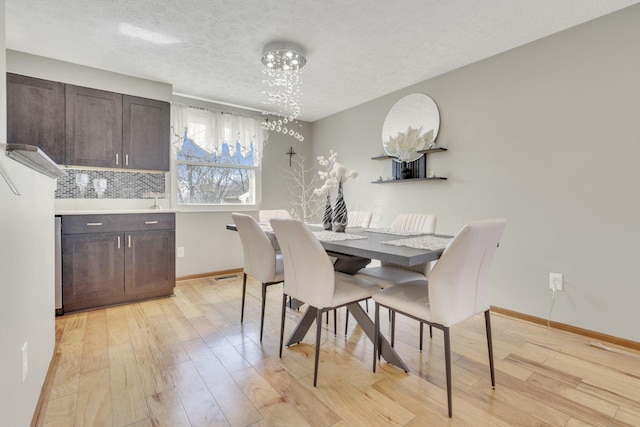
[
  {"x": 25, "y": 361},
  {"x": 180, "y": 251},
  {"x": 556, "y": 281}
]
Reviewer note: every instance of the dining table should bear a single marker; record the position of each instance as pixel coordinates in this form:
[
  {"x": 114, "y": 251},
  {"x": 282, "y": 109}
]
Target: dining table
[{"x": 353, "y": 250}]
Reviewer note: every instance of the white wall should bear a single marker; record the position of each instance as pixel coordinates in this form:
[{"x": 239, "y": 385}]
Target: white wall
[
  {"x": 79, "y": 75},
  {"x": 547, "y": 136},
  {"x": 26, "y": 278}
]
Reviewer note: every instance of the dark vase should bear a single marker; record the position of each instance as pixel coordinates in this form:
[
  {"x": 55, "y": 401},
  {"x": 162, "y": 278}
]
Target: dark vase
[
  {"x": 328, "y": 213},
  {"x": 340, "y": 212},
  {"x": 405, "y": 172}
]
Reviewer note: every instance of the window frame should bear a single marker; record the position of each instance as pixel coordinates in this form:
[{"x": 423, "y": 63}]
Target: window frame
[{"x": 206, "y": 207}]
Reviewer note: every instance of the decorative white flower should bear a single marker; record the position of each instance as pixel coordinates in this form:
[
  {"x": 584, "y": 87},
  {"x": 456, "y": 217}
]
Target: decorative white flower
[
  {"x": 405, "y": 145},
  {"x": 333, "y": 173}
]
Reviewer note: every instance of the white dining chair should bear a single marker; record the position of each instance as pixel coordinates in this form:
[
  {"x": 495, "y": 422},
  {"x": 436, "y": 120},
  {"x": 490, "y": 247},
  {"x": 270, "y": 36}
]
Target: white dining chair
[
  {"x": 260, "y": 260},
  {"x": 358, "y": 219},
  {"x": 310, "y": 277},
  {"x": 458, "y": 289},
  {"x": 265, "y": 215},
  {"x": 388, "y": 274}
]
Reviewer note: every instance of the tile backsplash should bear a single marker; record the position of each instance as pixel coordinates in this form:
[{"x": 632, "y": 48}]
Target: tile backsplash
[{"x": 120, "y": 185}]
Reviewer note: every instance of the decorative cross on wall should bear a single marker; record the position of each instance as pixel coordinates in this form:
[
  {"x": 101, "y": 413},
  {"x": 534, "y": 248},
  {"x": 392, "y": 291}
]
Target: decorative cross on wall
[{"x": 290, "y": 153}]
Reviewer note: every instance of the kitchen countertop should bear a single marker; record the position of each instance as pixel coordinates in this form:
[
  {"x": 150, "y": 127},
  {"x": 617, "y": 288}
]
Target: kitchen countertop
[{"x": 113, "y": 211}]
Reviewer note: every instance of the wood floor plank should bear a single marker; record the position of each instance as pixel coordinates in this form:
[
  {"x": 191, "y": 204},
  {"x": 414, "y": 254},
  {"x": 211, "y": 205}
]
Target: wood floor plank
[
  {"x": 153, "y": 374},
  {"x": 117, "y": 327},
  {"x": 61, "y": 412},
  {"x": 236, "y": 406},
  {"x": 127, "y": 393},
  {"x": 94, "y": 399},
  {"x": 166, "y": 410},
  {"x": 200, "y": 406},
  {"x": 68, "y": 371},
  {"x": 187, "y": 361},
  {"x": 95, "y": 352}
]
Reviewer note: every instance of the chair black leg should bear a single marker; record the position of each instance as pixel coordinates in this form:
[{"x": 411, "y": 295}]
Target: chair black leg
[
  {"x": 421, "y": 334},
  {"x": 447, "y": 361},
  {"x": 366, "y": 304},
  {"x": 430, "y": 331},
  {"x": 393, "y": 328},
  {"x": 284, "y": 306},
  {"x": 487, "y": 322},
  {"x": 264, "y": 299},
  {"x": 335, "y": 322},
  {"x": 376, "y": 333},
  {"x": 346, "y": 322},
  {"x": 244, "y": 291},
  {"x": 318, "y": 331}
]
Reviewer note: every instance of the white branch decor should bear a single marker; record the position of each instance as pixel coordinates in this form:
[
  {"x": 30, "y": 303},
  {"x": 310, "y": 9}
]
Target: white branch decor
[
  {"x": 305, "y": 205},
  {"x": 333, "y": 173},
  {"x": 405, "y": 144}
]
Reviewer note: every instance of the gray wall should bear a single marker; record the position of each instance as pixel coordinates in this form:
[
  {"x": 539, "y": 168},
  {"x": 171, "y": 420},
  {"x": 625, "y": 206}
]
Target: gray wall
[
  {"x": 26, "y": 277},
  {"x": 546, "y": 136}
]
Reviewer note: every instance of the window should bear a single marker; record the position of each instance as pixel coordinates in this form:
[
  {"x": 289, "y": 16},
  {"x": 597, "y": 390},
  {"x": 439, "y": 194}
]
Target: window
[{"x": 217, "y": 157}]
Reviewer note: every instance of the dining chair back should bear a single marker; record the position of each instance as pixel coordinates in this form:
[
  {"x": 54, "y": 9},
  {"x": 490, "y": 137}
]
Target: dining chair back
[
  {"x": 358, "y": 219},
  {"x": 265, "y": 215},
  {"x": 415, "y": 222},
  {"x": 389, "y": 274},
  {"x": 310, "y": 275},
  {"x": 458, "y": 284},
  {"x": 260, "y": 259},
  {"x": 457, "y": 289},
  {"x": 311, "y": 278}
]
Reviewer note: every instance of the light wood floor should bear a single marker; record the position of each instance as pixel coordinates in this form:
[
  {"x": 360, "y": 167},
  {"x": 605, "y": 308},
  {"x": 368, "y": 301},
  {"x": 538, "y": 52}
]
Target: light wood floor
[{"x": 187, "y": 361}]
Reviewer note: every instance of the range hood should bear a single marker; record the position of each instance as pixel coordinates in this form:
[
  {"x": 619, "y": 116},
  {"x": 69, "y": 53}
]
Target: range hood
[{"x": 35, "y": 158}]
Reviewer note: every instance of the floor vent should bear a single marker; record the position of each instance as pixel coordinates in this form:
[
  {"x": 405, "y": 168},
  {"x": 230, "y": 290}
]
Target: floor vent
[{"x": 230, "y": 277}]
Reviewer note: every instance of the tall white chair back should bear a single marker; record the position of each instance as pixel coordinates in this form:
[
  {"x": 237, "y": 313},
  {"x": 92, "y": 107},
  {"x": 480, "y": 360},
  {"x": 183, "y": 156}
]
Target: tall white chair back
[
  {"x": 259, "y": 253},
  {"x": 260, "y": 260},
  {"x": 265, "y": 215},
  {"x": 309, "y": 271},
  {"x": 312, "y": 279},
  {"x": 358, "y": 219},
  {"x": 415, "y": 222},
  {"x": 457, "y": 290},
  {"x": 458, "y": 284}
]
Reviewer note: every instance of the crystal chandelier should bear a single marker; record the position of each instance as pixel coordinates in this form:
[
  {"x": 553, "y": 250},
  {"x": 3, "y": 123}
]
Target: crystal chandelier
[{"x": 283, "y": 62}]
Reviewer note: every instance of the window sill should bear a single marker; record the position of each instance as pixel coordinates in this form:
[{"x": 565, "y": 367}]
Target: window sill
[{"x": 216, "y": 208}]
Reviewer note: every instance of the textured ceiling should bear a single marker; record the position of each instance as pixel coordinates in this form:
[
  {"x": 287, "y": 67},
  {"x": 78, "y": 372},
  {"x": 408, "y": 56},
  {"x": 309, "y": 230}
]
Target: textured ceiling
[{"x": 357, "y": 50}]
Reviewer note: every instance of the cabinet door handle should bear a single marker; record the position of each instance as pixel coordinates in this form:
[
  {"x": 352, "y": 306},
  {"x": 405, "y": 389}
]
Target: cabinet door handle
[
  {"x": 126, "y": 160},
  {"x": 151, "y": 222},
  {"x": 129, "y": 240},
  {"x": 117, "y": 159},
  {"x": 94, "y": 224},
  {"x": 118, "y": 242}
]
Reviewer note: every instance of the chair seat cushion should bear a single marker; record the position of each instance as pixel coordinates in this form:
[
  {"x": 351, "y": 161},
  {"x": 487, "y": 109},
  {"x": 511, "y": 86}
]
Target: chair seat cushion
[
  {"x": 387, "y": 275},
  {"x": 350, "y": 289},
  {"x": 410, "y": 298}
]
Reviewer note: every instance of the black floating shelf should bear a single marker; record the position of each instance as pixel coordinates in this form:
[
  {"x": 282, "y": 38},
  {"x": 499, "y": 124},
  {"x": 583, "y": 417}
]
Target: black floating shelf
[
  {"x": 387, "y": 181},
  {"x": 432, "y": 150}
]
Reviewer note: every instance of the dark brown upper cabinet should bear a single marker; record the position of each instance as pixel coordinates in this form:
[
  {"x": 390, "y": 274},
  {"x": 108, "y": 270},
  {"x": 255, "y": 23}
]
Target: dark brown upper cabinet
[
  {"x": 93, "y": 127},
  {"x": 145, "y": 133},
  {"x": 80, "y": 126},
  {"x": 35, "y": 114}
]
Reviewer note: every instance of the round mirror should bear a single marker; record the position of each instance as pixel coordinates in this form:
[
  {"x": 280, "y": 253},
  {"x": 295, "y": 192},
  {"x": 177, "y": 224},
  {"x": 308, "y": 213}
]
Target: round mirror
[{"x": 411, "y": 125}]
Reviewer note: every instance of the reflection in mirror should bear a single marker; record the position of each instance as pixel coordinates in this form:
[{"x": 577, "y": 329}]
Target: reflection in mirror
[{"x": 411, "y": 125}]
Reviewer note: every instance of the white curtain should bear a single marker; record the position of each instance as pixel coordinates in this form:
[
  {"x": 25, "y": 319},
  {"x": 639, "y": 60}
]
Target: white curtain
[{"x": 209, "y": 129}]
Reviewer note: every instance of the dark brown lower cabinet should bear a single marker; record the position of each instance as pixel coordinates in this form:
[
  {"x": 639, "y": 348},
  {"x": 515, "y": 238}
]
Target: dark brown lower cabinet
[{"x": 112, "y": 259}]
